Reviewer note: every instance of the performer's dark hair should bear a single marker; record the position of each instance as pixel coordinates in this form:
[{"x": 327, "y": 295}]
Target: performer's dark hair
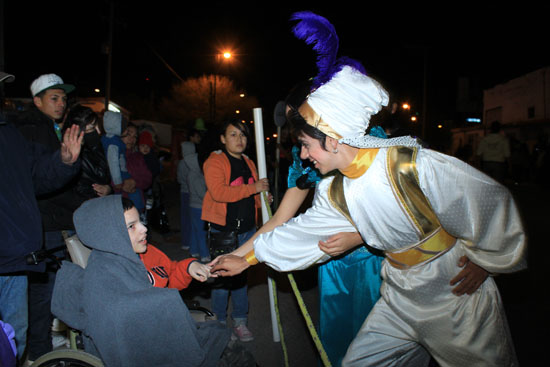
[
  {"x": 297, "y": 95},
  {"x": 301, "y": 127}
]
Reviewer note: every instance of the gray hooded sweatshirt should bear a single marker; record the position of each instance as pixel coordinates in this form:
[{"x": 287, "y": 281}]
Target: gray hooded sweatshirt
[
  {"x": 195, "y": 178},
  {"x": 124, "y": 319}
]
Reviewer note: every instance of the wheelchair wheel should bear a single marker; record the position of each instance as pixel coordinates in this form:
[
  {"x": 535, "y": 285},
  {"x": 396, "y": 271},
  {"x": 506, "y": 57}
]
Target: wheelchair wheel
[{"x": 67, "y": 358}]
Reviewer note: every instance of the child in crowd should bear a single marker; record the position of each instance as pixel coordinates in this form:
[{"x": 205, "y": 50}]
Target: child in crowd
[
  {"x": 124, "y": 319},
  {"x": 115, "y": 124},
  {"x": 145, "y": 146}
]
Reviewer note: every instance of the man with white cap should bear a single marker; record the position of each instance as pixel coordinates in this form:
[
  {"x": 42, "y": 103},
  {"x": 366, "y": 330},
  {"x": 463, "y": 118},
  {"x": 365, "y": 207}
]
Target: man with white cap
[
  {"x": 430, "y": 213},
  {"x": 42, "y": 123},
  {"x": 27, "y": 169}
]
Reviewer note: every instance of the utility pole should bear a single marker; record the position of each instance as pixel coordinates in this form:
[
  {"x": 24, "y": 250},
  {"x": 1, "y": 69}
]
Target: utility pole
[
  {"x": 2, "y": 52},
  {"x": 109, "y": 50}
]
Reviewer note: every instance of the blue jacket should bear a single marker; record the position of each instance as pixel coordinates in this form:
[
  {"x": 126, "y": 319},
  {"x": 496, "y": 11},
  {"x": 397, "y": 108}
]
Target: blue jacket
[{"x": 26, "y": 169}]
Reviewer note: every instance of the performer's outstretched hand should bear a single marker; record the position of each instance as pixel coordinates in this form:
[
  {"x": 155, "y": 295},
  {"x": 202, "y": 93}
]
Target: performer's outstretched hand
[
  {"x": 340, "y": 243},
  {"x": 228, "y": 266},
  {"x": 470, "y": 278}
]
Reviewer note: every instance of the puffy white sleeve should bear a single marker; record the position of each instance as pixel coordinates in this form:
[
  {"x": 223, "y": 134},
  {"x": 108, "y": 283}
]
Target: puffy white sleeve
[
  {"x": 475, "y": 208},
  {"x": 295, "y": 244}
]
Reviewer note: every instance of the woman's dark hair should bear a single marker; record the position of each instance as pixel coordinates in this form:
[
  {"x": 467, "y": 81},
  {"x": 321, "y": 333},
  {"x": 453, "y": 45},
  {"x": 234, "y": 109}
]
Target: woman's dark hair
[
  {"x": 81, "y": 116},
  {"x": 238, "y": 124},
  {"x": 127, "y": 204}
]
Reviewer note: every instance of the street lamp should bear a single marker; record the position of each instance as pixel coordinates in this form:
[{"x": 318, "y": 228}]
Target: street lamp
[{"x": 219, "y": 57}]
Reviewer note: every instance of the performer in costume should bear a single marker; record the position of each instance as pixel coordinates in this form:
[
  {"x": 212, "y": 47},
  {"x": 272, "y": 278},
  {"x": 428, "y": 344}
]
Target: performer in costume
[{"x": 430, "y": 213}]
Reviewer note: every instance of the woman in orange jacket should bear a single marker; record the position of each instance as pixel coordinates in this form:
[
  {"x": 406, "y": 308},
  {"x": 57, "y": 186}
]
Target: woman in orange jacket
[{"x": 231, "y": 203}]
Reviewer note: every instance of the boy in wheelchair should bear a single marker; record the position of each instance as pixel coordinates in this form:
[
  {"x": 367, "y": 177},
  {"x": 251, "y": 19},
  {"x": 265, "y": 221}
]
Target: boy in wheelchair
[{"x": 126, "y": 320}]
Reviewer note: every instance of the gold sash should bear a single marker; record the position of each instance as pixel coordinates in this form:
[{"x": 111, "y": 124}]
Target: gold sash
[{"x": 434, "y": 240}]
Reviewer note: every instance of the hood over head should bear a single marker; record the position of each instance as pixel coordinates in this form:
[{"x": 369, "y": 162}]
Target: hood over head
[
  {"x": 114, "y": 123},
  {"x": 100, "y": 225},
  {"x": 187, "y": 148}
]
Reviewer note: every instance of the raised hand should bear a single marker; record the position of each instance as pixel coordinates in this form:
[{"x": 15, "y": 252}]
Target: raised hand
[{"x": 71, "y": 144}]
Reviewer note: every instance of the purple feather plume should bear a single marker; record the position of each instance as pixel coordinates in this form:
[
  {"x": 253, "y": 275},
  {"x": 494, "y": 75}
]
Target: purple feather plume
[{"x": 318, "y": 31}]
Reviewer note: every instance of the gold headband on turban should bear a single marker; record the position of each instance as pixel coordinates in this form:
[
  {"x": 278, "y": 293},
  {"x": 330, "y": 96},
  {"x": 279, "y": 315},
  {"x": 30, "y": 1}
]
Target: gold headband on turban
[{"x": 313, "y": 119}]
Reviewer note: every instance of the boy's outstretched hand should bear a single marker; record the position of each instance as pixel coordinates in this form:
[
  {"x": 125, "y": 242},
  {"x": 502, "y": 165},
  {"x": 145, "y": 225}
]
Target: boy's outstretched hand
[{"x": 199, "y": 271}]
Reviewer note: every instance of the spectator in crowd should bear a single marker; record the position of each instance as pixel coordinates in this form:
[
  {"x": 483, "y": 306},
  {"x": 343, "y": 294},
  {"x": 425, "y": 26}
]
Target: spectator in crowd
[
  {"x": 94, "y": 179},
  {"x": 185, "y": 211},
  {"x": 115, "y": 124},
  {"x": 27, "y": 169},
  {"x": 197, "y": 189},
  {"x": 231, "y": 203},
  {"x": 494, "y": 152},
  {"x": 42, "y": 123},
  {"x": 140, "y": 176}
]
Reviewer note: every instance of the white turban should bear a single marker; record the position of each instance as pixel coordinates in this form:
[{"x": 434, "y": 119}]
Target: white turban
[{"x": 345, "y": 104}]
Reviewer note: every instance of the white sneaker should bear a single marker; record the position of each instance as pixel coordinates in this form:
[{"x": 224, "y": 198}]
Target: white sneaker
[{"x": 60, "y": 340}]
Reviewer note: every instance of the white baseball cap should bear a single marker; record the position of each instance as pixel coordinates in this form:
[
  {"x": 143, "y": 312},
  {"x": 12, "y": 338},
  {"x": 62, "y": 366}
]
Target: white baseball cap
[{"x": 49, "y": 81}]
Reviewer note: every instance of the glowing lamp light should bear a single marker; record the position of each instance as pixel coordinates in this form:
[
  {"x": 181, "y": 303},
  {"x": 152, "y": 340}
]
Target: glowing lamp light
[
  {"x": 406, "y": 106},
  {"x": 227, "y": 55},
  {"x": 97, "y": 90},
  {"x": 439, "y": 126},
  {"x": 413, "y": 118}
]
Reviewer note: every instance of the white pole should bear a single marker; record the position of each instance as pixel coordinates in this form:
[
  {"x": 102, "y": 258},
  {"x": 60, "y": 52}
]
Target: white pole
[{"x": 262, "y": 173}]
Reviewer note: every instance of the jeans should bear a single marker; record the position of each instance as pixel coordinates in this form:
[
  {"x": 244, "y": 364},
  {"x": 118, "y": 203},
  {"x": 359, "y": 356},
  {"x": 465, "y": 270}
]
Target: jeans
[
  {"x": 13, "y": 307},
  {"x": 237, "y": 288},
  {"x": 198, "y": 234},
  {"x": 40, "y": 296}
]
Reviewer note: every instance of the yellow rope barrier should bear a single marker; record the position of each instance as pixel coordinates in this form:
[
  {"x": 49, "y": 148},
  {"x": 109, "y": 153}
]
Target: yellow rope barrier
[{"x": 303, "y": 308}]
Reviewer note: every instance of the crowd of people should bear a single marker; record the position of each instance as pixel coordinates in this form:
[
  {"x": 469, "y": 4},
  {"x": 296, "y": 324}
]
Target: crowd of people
[
  {"x": 56, "y": 158},
  {"x": 406, "y": 238}
]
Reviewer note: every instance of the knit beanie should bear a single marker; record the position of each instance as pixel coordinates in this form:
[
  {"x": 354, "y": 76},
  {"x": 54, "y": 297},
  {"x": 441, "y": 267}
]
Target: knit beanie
[{"x": 146, "y": 138}]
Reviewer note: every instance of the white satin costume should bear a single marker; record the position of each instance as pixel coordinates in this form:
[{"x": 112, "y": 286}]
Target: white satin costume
[{"x": 418, "y": 311}]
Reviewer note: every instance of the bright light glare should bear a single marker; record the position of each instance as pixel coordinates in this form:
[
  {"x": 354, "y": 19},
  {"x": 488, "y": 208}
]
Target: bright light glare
[
  {"x": 413, "y": 118},
  {"x": 237, "y": 111},
  {"x": 227, "y": 55},
  {"x": 439, "y": 126},
  {"x": 406, "y": 106},
  {"x": 113, "y": 108}
]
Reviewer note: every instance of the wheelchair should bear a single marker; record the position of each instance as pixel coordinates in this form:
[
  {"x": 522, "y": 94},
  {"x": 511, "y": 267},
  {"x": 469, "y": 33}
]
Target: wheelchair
[{"x": 75, "y": 356}]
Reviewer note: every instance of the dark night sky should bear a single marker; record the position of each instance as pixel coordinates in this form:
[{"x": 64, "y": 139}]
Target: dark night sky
[{"x": 491, "y": 43}]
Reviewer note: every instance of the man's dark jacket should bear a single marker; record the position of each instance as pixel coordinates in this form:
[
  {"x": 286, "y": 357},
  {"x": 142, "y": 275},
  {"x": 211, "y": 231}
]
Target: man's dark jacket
[
  {"x": 56, "y": 207},
  {"x": 26, "y": 169}
]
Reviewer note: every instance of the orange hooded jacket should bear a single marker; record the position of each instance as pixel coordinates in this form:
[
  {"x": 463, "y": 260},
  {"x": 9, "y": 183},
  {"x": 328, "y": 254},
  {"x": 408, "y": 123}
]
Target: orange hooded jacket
[{"x": 217, "y": 173}]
